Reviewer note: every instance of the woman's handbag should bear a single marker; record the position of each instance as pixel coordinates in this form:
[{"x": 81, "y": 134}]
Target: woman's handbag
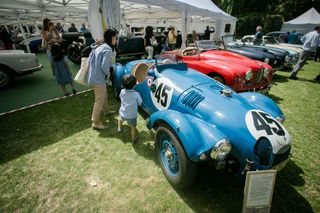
[
  {"x": 154, "y": 42},
  {"x": 81, "y": 76}
]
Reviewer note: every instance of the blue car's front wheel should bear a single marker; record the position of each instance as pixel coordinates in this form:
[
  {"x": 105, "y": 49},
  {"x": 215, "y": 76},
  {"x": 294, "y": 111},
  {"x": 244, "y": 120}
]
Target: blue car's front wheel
[{"x": 178, "y": 169}]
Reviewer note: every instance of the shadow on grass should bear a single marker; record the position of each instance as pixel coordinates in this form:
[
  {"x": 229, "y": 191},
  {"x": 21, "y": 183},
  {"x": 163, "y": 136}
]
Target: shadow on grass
[
  {"x": 308, "y": 80},
  {"x": 215, "y": 191},
  {"x": 32, "y": 129},
  {"x": 279, "y": 79},
  {"x": 275, "y": 98}
]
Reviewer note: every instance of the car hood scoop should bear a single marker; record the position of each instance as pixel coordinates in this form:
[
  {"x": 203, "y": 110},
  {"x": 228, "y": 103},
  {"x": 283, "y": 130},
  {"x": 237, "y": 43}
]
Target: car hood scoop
[
  {"x": 213, "y": 103},
  {"x": 192, "y": 99}
]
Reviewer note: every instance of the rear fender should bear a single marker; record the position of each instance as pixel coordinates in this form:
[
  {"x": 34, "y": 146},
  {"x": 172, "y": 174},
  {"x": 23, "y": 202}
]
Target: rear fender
[
  {"x": 117, "y": 78},
  {"x": 196, "y": 136}
]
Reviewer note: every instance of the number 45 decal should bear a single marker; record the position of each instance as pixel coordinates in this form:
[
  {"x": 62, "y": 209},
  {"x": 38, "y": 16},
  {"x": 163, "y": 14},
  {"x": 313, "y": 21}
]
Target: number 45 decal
[
  {"x": 264, "y": 122},
  {"x": 161, "y": 92}
]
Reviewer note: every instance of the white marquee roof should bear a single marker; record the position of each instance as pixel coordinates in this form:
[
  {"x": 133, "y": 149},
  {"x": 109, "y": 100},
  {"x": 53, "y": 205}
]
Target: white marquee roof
[
  {"x": 310, "y": 17},
  {"x": 303, "y": 23},
  {"x": 36, "y": 10}
]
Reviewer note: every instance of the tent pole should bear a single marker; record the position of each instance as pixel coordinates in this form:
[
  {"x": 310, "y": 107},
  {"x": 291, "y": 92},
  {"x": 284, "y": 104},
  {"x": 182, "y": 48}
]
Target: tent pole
[
  {"x": 23, "y": 34},
  {"x": 184, "y": 27}
]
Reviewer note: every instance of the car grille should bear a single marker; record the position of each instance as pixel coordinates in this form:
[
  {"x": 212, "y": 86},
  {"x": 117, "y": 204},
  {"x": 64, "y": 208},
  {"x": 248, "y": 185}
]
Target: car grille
[
  {"x": 263, "y": 149},
  {"x": 281, "y": 155},
  {"x": 258, "y": 76},
  {"x": 256, "y": 80},
  {"x": 192, "y": 99}
]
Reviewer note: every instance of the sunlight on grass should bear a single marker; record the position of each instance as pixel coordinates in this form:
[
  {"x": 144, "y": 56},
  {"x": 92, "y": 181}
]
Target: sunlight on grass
[{"x": 52, "y": 161}]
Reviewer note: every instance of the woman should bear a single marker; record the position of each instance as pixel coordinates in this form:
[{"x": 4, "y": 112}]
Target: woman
[
  {"x": 172, "y": 38},
  {"x": 149, "y": 41},
  {"x": 195, "y": 37},
  {"x": 100, "y": 60},
  {"x": 50, "y": 36}
]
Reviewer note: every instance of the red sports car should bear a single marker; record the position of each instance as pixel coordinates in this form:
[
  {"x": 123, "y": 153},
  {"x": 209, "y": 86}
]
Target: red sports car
[{"x": 237, "y": 71}]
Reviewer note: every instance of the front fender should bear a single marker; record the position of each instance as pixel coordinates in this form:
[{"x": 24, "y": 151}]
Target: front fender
[
  {"x": 196, "y": 135},
  {"x": 264, "y": 103}
]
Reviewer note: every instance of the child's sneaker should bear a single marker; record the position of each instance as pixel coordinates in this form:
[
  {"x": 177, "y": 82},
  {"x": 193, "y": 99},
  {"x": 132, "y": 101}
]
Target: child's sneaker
[
  {"x": 74, "y": 91},
  {"x": 136, "y": 139},
  {"x": 110, "y": 112}
]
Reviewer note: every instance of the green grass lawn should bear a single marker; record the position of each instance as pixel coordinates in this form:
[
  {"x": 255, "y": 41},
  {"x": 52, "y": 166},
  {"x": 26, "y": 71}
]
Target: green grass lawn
[{"x": 52, "y": 161}]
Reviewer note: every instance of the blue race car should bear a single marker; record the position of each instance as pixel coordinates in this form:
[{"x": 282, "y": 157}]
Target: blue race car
[{"x": 199, "y": 119}]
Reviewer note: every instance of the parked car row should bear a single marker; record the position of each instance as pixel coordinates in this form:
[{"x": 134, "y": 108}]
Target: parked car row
[
  {"x": 239, "y": 72},
  {"x": 224, "y": 64},
  {"x": 271, "y": 44}
]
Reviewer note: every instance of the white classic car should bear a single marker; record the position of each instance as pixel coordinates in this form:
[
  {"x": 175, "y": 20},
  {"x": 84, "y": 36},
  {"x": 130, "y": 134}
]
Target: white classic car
[
  {"x": 14, "y": 63},
  {"x": 271, "y": 42}
]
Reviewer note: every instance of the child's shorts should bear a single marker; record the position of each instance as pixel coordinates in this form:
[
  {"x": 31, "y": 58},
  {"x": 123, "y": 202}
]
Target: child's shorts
[{"x": 131, "y": 121}]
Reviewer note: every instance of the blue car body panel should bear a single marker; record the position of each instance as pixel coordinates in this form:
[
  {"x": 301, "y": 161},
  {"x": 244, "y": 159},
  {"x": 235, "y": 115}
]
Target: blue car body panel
[{"x": 196, "y": 109}]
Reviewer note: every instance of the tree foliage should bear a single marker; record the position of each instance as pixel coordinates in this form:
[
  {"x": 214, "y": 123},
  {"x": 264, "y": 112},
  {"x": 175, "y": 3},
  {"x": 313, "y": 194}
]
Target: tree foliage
[{"x": 268, "y": 13}]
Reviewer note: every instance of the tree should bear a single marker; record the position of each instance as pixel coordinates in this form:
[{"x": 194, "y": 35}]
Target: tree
[{"x": 270, "y": 14}]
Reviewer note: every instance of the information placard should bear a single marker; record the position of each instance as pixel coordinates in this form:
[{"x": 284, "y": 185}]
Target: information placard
[{"x": 258, "y": 191}]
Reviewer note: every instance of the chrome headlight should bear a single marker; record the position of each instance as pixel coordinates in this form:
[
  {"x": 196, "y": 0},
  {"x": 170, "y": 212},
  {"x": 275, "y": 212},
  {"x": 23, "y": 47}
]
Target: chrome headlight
[
  {"x": 266, "y": 60},
  {"x": 266, "y": 72},
  {"x": 249, "y": 75},
  {"x": 287, "y": 58},
  {"x": 221, "y": 150},
  {"x": 281, "y": 118}
]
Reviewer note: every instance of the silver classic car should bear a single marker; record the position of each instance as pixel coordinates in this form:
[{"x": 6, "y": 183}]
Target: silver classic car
[{"x": 14, "y": 63}]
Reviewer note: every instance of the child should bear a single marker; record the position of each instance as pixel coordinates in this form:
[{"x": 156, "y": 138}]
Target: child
[
  {"x": 130, "y": 100},
  {"x": 61, "y": 69}
]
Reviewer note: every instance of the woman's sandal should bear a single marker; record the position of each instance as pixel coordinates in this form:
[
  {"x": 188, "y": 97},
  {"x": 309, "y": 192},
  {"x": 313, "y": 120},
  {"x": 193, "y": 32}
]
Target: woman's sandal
[{"x": 99, "y": 127}]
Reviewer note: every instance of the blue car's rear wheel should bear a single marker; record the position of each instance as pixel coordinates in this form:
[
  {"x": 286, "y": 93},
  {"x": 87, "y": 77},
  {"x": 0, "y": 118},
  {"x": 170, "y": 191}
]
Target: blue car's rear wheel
[{"x": 177, "y": 168}]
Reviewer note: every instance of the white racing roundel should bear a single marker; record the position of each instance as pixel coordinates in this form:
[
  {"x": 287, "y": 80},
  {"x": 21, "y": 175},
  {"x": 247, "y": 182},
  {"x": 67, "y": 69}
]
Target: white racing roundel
[
  {"x": 261, "y": 124},
  {"x": 161, "y": 93}
]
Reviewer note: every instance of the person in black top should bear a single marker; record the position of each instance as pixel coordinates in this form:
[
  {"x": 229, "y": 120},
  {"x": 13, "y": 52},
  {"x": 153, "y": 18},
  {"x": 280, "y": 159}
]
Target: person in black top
[
  {"x": 73, "y": 28},
  {"x": 149, "y": 42},
  {"x": 6, "y": 38},
  {"x": 207, "y": 32}
]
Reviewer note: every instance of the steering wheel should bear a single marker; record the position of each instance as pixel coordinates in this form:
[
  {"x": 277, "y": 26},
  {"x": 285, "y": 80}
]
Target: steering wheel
[{"x": 189, "y": 51}]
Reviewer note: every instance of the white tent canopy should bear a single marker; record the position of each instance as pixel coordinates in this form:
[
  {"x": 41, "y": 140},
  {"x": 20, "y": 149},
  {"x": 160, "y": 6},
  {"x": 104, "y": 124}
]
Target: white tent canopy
[
  {"x": 304, "y": 23},
  {"x": 183, "y": 12},
  {"x": 188, "y": 14},
  {"x": 31, "y": 11}
]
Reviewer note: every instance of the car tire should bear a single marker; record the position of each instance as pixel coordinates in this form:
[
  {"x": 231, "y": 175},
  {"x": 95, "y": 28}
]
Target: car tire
[
  {"x": 178, "y": 169},
  {"x": 74, "y": 54},
  {"x": 6, "y": 79},
  {"x": 217, "y": 77}
]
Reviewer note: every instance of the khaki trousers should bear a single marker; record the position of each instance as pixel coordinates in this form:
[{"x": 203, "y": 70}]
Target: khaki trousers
[{"x": 100, "y": 101}]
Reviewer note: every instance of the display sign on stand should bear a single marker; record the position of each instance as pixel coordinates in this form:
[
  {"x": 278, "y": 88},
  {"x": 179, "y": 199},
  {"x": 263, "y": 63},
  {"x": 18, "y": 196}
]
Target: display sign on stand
[{"x": 258, "y": 191}]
